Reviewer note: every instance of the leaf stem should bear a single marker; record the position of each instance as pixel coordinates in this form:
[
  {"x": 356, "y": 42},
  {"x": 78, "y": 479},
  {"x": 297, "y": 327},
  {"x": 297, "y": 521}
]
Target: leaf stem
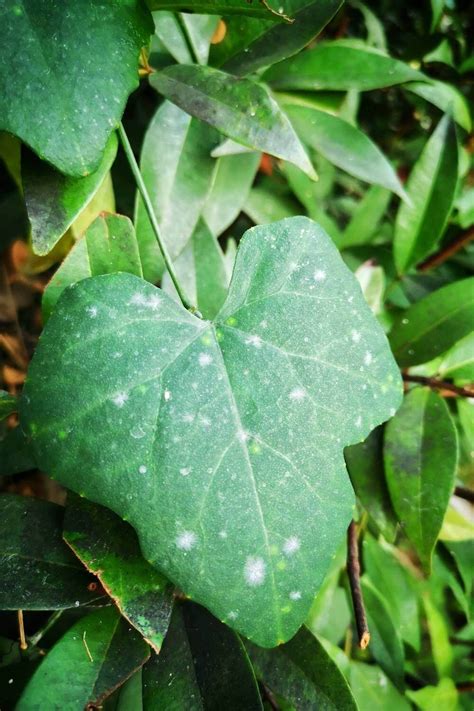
[
  {"x": 436, "y": 384},
  {"x": 446, "y": 252},
  {"x": 151, "y": 214},
  {"x": 34, "y": 639},
  {"x": 21, "y": 629},
  {"x": 353, "y": 571},
  {"x": 464, "y": 493}
]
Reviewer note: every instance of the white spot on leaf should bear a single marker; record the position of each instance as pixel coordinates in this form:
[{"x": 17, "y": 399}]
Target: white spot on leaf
[
  {"x": 254, "y": 571},
  {"x": 291, "y": 545},
  {"x": 186, "y": 540}
]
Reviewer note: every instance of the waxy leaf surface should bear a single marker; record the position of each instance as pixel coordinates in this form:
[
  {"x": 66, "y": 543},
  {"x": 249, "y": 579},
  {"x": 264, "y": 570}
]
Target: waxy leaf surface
[
  {"x": 220, "y": 442},
  {"x": 64, "y": 89}
]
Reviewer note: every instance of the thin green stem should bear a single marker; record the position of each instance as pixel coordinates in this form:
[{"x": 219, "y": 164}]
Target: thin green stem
[
  {"x": 34, "y": 639},
  {"x": 151, "y": 214}
]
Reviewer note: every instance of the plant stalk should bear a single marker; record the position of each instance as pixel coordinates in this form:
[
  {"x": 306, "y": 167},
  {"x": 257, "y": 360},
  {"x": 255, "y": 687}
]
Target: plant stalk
[
  {"x": 353, "y": 571},
  {"x": 151, "y": 214}
]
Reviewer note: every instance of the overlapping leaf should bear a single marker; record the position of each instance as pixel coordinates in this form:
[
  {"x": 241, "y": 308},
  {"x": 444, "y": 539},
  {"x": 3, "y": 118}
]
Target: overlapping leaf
[{"x": 221, "y": 443}]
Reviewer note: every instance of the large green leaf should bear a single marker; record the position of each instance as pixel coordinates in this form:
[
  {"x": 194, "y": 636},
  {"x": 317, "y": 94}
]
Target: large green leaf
[
  {"x": 431, "y": 187},
  {"x": 203, "y": 665},
  {"x": 65, "y": 88},
  {"x": 434, "y": 324},
  {"x": 250, "y": 43},
  {"x": 344, "y": 145},
  {"x": 94, "y": 657},
  {"x": 236, "y": 485},
  {"x": 420, "y": 461},
  {"x": 108, "y": 246},
  {"x": 303, "y": 673},
  {"x": 240, "y": 108},
  {"x": 37, "y": 570},
  {"x": 109, "y": 548},
  {"x": 53, "y": 200},
  {"x": 177, "y": 169},
  {"x": 340, "y": 65},
  {"x": 223, "y": 7}
]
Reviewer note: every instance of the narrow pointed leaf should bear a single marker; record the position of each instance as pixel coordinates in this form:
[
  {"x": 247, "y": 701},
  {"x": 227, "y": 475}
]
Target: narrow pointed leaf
[
  {"x": 303, "y": 673},
  {"x": 109, "y": 548},
  {"x": 37, "y": 570},
  {"x": 54, "y": 201},
  {"x": 244, "y": 420},
  {"x": 340, "y": 65},
  {"x": 250, "y": 44},
  {"x": 344, "y": 145},
  {"x": 94, "y": 657},
  {"x": 421, "y": 454},
  {"x": 108, "y": 246},
  {"x": 431, "y": 187},
  {"x": 446, "y": 97},
  {"x": 178, "y": 170},
  {"x": 241, "y": 109},
  {"x": 59, "y": 95}
]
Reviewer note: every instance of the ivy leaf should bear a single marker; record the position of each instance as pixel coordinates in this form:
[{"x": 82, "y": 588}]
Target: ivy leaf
[
  {"x": 431, "y": 187},
  {"x": 203, "y": 665},
  {"x": 303, "y": 673},
  {"x": 67, "y": 116},
  {"x": 250, "y": 44},
  {"x": 94, "y": 657},
  {"x": 339, "y": 66},
  {"x": 242, "y": 421},
  {"x": 345, "y": 146},
  {"x": 434, "y": 324},
  {"x": 108, "y": 246},
  {"x": 420, "y": 455},
  {"x": 37, "y": 570},
  {"x": 109, "y": 548},
  {"x": 53, "y": 200},
  {"x": 178, "y": 170},
  {"x": 241, "y": 109}
]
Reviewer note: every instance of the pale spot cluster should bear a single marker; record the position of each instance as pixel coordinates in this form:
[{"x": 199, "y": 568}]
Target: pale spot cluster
[
  {"x": 254, "y": 571},
  {"x": 186, "y": 540},
  {"x": 291, "y": 545}
]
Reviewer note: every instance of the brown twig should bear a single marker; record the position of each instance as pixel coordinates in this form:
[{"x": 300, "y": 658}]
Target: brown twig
[
  {"x": 464, "y": 493},
  {"x": 467, "y": 391},
  {"x": 21, "y": 627},
  {"x": 446, "y": 252},
  {"x": 353, "y": 571}
]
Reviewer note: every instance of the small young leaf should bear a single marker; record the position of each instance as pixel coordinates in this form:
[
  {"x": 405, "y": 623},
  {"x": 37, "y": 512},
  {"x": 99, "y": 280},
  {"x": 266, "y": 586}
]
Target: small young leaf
[
  {"x": 59, "y": 95},
  {"x": 434, "y": 324},
  {"x": 431, "y": 188},
  {"x": 53, "y": 200},
  {"x": 178, "y": 170},
  {"x": 109, "y": 548},
  {"x": 420, "y": 462},
  {"x": 94, "y": 657},
  {"x": 241, "y": 109},
  {"x": 344, "y": 145},
  {"x": 108, "y": 246},
  {"x": 8, "y": 404},
  {"x": 442, "y": 696},
  {"x": 37, "y": 570},
  {"x": 364, "y": 223},
  {"x": 213, "y": 417},
  {"x": 340, "y": 65},
  {"x": 303, "y": 673}
]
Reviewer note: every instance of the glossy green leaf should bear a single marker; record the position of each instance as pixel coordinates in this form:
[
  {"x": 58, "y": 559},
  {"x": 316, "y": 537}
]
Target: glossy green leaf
[
  {"x": 365, "y": 220},
  {"x": 253, "y": 493},
  {"x": 344, "y": 145},
  {"x": 458, "y": 362},
  {"x": 303, "y": 673},
  {"x": 233, "y": 178},
  {"x": 54, "y": 201},
  {"x": 420, "y": 455},
  {"x": 446, "y": 97},
  {"x": 178, "y": 170},
  {"x": 109, "y": 548},
  {"x": 94, "y": 657},
  {"x": 186, "y": 37},
  {"x": 441, "y": 648},
  {"x": 65, "y": 91},
  {"x": 241, "y": 109},
  {"x": 250, "y": 44},
  {"x": 169, "y": 30},
  {"x": 431, "y": 188},
  {"x": 365, "y": 465},
  {"x": 108, "y": 246},
  {"x": 223, "y": 7},
  {"x": 462, "y": 553},
  {"x": 15, "y": 453},
  {"x": 340, "y": 65},
  {"x": 203, "y": 665},
  {"x": 8, "y": 404},
  {"x": 393, "y": 581},
  {"x": 37, "y": 570},
  {"x": 372, "y": 689},
  {"x": 202, "y": 271},
  {"x": 385, "y": 641},
  {"x": 434, "y": 324},
  {"x": 199, "y": 30},
  {"x": 442, "y": 696}
]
